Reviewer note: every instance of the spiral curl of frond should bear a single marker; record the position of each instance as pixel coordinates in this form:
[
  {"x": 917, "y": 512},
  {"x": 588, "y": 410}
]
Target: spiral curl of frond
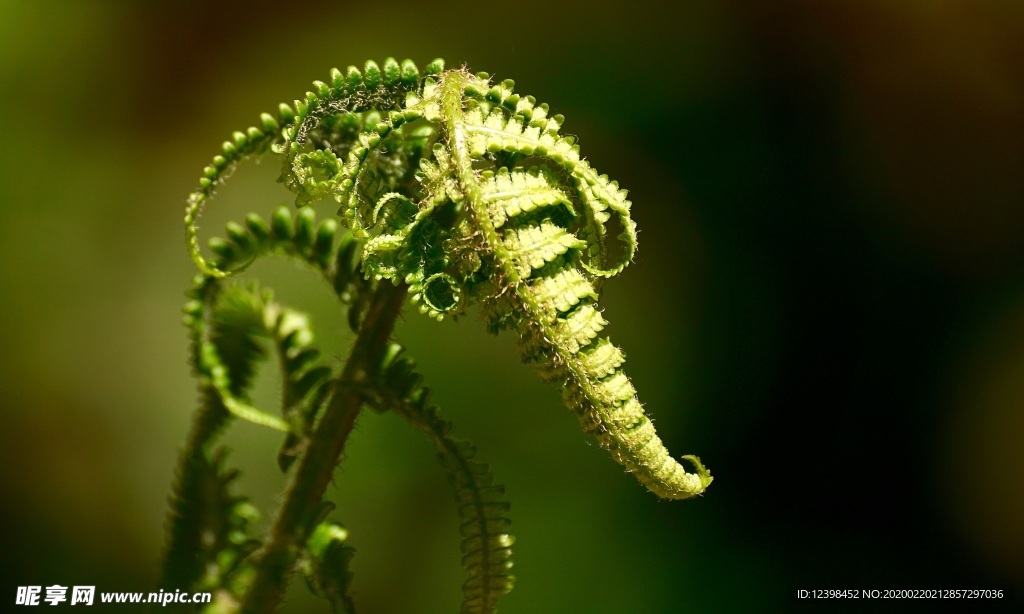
[
  {"x": 227, "y": 322},
  {"x": 210, "y": 529}
]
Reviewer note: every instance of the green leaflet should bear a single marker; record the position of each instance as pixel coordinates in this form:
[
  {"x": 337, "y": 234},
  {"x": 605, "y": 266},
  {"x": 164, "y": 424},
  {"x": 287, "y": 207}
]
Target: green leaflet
[{"x": 326, "y": 566}]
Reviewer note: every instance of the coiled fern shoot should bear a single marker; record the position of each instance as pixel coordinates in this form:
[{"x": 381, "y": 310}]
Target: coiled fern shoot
[{"x": 455, "y": 191}]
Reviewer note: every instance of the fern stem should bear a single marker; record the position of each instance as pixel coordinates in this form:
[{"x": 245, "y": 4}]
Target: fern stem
[{"x": 316, "y": 467}]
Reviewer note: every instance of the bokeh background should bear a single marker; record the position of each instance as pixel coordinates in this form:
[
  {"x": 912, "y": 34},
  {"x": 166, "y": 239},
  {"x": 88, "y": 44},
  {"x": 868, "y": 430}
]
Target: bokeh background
[{"x": 827, "y": 304}]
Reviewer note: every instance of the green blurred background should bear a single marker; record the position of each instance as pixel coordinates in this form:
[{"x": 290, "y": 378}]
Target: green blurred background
[{"x": 827, "y": 304}]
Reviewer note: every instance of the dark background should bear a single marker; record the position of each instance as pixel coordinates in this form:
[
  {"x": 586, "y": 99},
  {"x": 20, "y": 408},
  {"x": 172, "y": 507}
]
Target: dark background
[{"x": 827, "y": 305}]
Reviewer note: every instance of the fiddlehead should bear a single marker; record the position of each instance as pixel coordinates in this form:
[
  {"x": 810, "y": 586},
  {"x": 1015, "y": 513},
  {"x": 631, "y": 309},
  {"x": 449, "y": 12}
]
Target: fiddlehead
[
  {"x": 456, "y": 191},
  {"x": 476, "y": 223}
]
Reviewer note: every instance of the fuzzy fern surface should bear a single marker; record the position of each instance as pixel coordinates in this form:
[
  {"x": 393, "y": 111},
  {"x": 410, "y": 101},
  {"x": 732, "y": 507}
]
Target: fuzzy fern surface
[{"x": 456, "y": 191}]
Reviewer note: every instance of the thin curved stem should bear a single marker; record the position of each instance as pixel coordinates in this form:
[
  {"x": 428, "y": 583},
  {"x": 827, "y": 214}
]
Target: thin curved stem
[{"x": 309, "y": 482}]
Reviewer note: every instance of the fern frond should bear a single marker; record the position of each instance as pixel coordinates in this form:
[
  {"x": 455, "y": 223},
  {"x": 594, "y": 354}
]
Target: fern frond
[
  {"x": 312, "y": 174},
  {"x": 303, "y": 379},
  {"x": 467, "y": 222},
  {"x": 541, "y": 262},
  {"x": 225, "y": 355},
  {"x": 458, "y": 191},
  {"x": 481, "y": 505},
  {"x": 417, "y": 186},
  {"x": 497, "y": 121},
  {"x": 228, "y": 325},
  {"x": 208, "y": 528},
  {"x": 560, "y": 292},
  {"x": 230, "y": 356}
]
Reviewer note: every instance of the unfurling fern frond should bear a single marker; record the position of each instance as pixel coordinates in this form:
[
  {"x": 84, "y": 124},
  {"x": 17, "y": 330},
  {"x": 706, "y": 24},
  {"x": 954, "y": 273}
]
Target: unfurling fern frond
[
  {"x": 455, "y": 191},
  {"x": 227, "y": 322},
  {"x": 550, "y": 265},
  {"x": 438, "y": 190},
  {"x": 208, "y": 527},
  {"x": 228, "y": 326},
  {"x": 481, "y": 504}
]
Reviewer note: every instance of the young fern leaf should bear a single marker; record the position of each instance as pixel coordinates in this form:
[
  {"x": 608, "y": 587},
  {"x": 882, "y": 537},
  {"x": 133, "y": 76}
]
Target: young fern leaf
[
  {"x": 245, "y": 316},
  {"x": 430, "y": 174},
  {"x": 481, "y": 505},
  {"x": 208, "y": 527},
  {"x": 456, "y": 190},
  {"x": 534, "y": 259},
  {"x": 329, "y": 117}
]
